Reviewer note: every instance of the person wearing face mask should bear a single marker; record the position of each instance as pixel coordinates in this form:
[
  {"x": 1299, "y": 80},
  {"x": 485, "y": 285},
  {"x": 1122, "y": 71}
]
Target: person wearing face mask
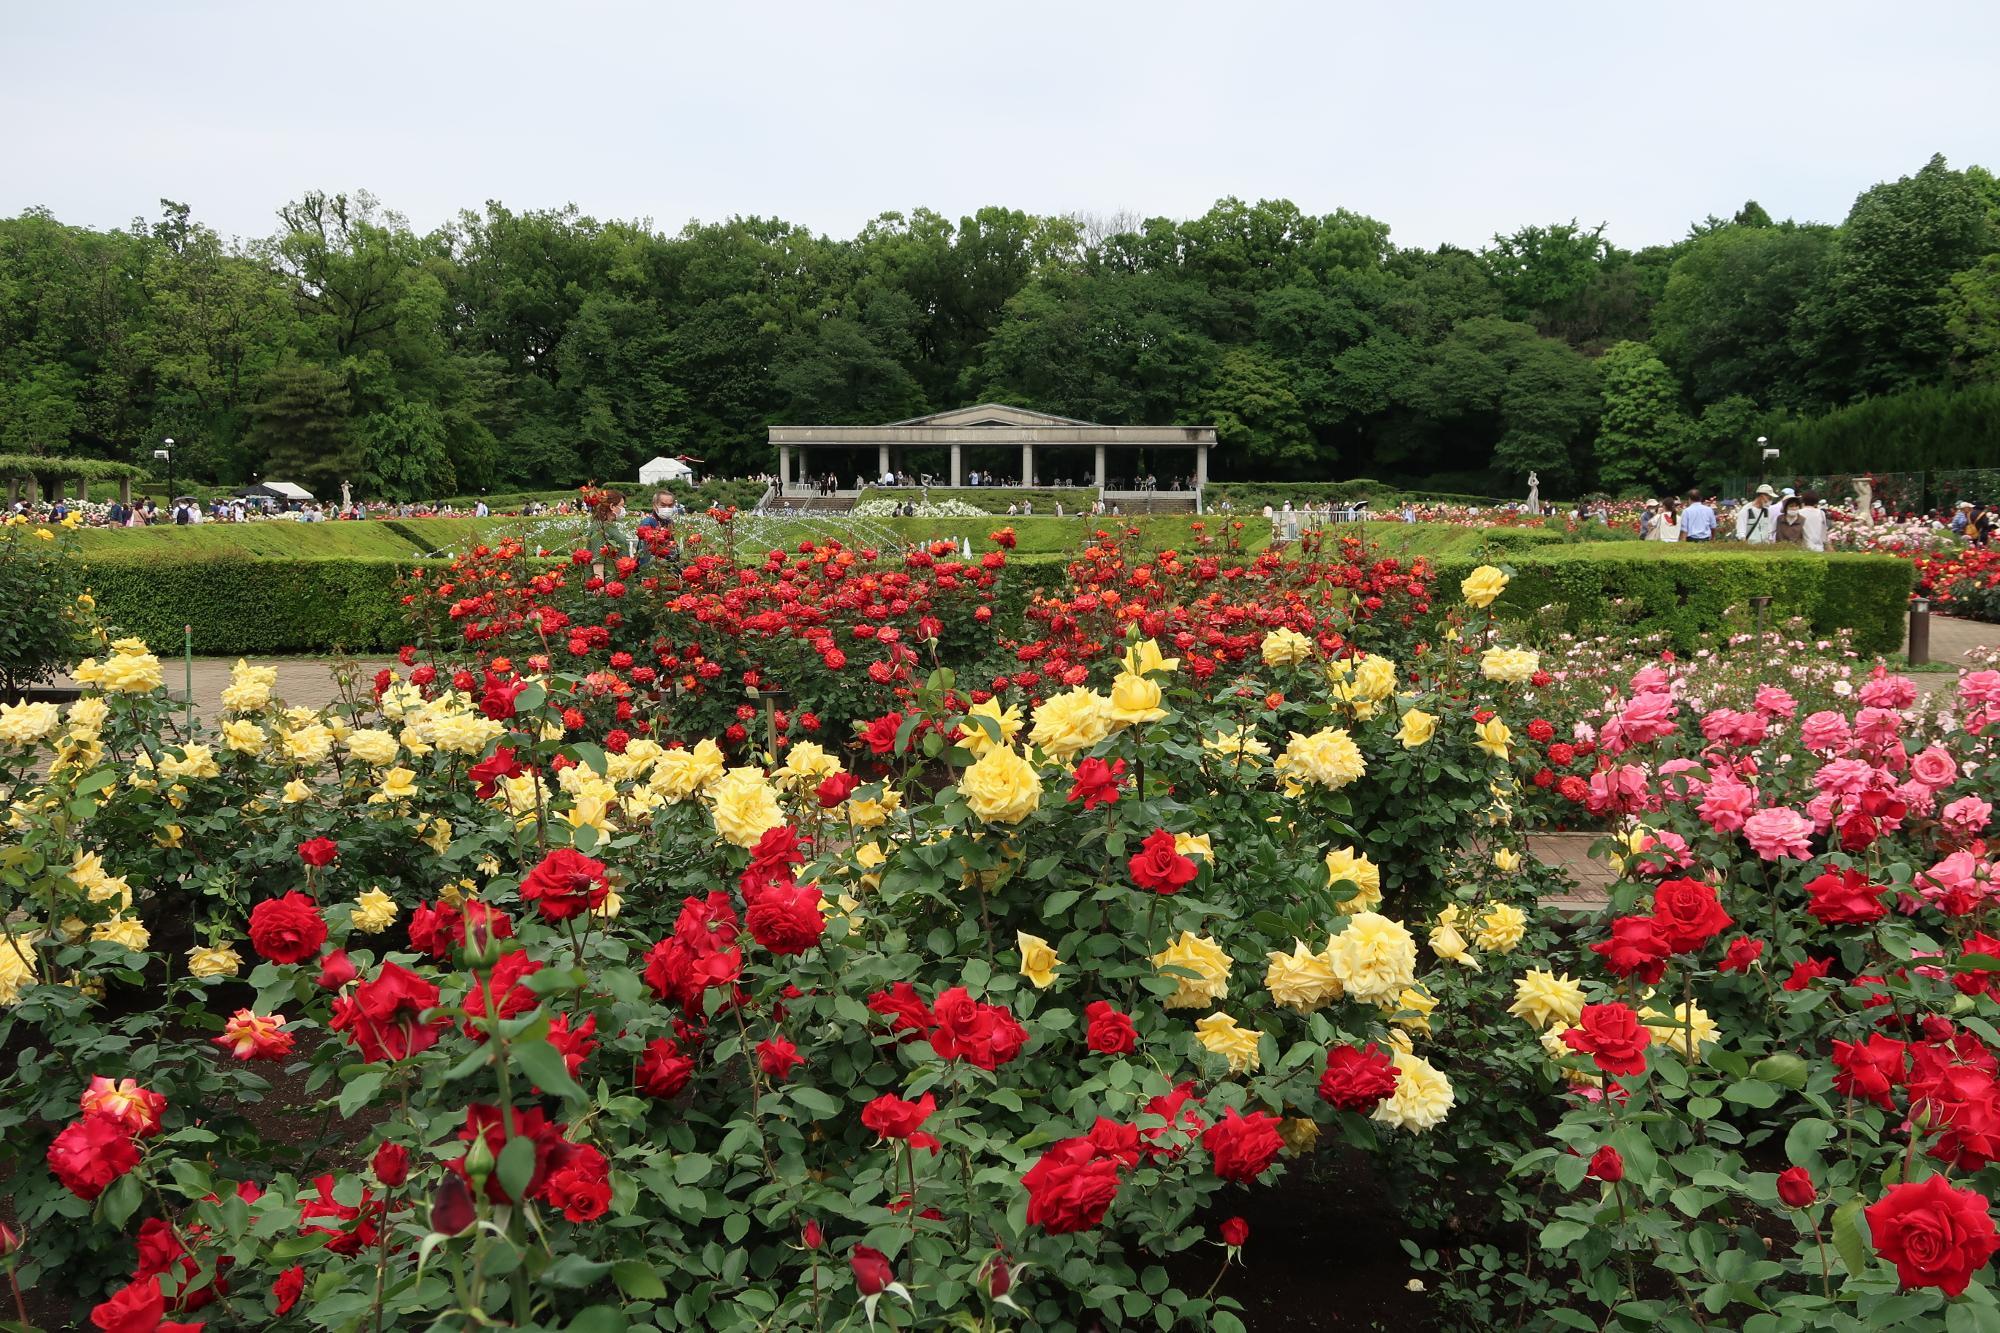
[{"x": 662, "y": 517}]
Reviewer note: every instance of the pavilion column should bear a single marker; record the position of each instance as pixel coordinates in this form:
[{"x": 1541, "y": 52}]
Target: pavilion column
[
  {"x": 957, "y": 465},
  {"x": 13, "y": 491},
  {"x": 1200, "y": 466},
  {"x": 124, "y": 491},
  {"x": 1027, "y": 463},
  {"x": 881, "y": 461},
  {"x": 784, "y": 467},
  {"x": 1100, "y": 467},
  {"x": 34, "y": 489}
]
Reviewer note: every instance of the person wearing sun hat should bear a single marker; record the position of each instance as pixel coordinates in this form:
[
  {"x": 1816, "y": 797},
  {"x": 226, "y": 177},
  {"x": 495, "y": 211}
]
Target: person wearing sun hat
[{"x": 1754, "y": 521}]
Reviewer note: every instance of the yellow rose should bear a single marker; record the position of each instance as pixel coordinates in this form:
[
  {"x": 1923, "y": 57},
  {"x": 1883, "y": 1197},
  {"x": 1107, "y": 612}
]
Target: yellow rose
[
  {"x": 438, "y": 839},
  {"x": 88, "y": 716},
  {"x": 1509, "y": 666},
  {"x": 1506, "y": 860},
  {"x": 1220, "y": 1035},
  {"x": 464, "y": 733},
  {"x": 130, "y": 673},
  {"x": 249, "y": 687},
  {"x": 1345, "y": 863},
  {"x": 374, "y": 912},
  {"x": 1412, "y": 1010},
  {"x": 373, "y": 747},
  {"x": 1001, "y": 787},
  {"x": 1200, "y": 955},
  {"x": 1547, "y": 1001},
  {"x": 1286, "y": 647},
  {"x": 1674, "y": 1031},
  {"x": 1375, "y": 677},
  {"x": 1374, "y": 957},
  {"x": 1494, "y": 737},
  {"x": 866, "y": 812},
  {"x": 17, "y": 964},
  {"x": 125, "y": 931},
  {"x": 1422, "y": 1099},
  {"x": 1301, "y": 980},
  {"x": 806, "y": 763},
  {"x": 676, "y": 775},
  {"x": 170, "y": 836},
  {"x": 1450, "y": 946},
  {"x": 398, "y": 784},
  {"x": 194, "y": 761},
  {"x": 744, "y": 807},
  {"x": 1328, "y": 757},
  {"x": 1300, "y": 1133},
  {"x": 1038, "y": 960},
  {"x": 307, "y": 746},
  {"x": 1069, "y": 722},
  {"x": 243, "y": 738},
  {"x": 974, "y": 736},
  {"x": 295, "y": 791},
  {"x": 1418, "y": 728},
  {"x": 1134, "y": 700},
  {"x": 1482, "y": 586},
  {"x": 1194, "y": 844},
  {"x": 1236, "y": 747},
  {"x": 1501, "y": 928},
  {"x": 25, "y": 723},
  {"x": 219, "y": 960},
  {"x": 1144, "y": 658}
]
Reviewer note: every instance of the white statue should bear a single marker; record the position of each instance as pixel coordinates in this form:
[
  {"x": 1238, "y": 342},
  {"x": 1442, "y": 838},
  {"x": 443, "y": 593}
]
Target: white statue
[
  {"x": 1534, "y": 493},
  {"x": 1864, "y": 497},
  {"x": 346, "y": 496}
]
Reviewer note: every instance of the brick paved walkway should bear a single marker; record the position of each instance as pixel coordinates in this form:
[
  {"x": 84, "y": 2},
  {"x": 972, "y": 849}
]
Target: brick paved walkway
[{"x": 303, "y": 682}]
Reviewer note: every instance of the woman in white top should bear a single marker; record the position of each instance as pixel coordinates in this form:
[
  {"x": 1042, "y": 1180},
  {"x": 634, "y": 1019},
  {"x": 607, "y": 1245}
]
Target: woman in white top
[{"x": 1668, "y": 526}]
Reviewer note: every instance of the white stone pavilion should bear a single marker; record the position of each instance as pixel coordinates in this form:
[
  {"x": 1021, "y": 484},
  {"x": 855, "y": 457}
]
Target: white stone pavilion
[{"x": 1007, "y": 438}]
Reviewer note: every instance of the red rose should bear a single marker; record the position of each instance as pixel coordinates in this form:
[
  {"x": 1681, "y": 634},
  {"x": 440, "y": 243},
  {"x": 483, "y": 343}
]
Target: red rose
[
  {"x": 777, "y": 1057},
  {"x": 579, "y": 1182},
  {"x": 1234, "y": 1231},
  {"x": 880, "y": 735},
  {"x": 663, "y": 1071},
  {"x": 291, "y": 1284},
  {"x": 287, "y": 929},
  {"x": 573, "y": 1039},
  {"x": 335, "y": 970},
  {"x": 906, "y": 1010},
  {"x": 1687, "y": 914},
  {"x": 138, "y": 1307},
  {"x": 1095, "y": 782},
  {"x": 836, "y": 789},
  {"x": 872, "y": 1274},
  {"x": 319, "y": 851},
  {"x": 498, "y": 992},
  {"x": 786, "y": 918},
  {"x": 1795, "y": 1188},
  {"x": 484, "y": 1122},
  {"x": 811, "y": 1236},
  {"x": 1845, "y": 899},
  {"x": 1936, "y": 1234},
  {"x": 1742, "y": 954},
  {"x": 1962, "y": 1100},
  {"x": 1110, "y": 1032},
  {"x": 1357, "y": 1078},
  {"x": 1118, "y": 1142},
  {"x": 488, "y": 772},
  {"x": 1070, "y": 1187},
  {"x": 1613, "y": 1036},
  {"x": 383, "y": 1018},
  {"x": 452, "y": 1209},
  {"x": 891, "y": 1117},
  {"x": 91, "y": 1153},
  {"x": 1241, "y": 1147},
  {"x": 1157, "y": 866},
  {"x": 566, "y": 883},
  {"x": 1637, "y": 948},
  {"x": 1870, "y": 1070},
  {"x": 982, "y": 1034},
  {"x": 1804, "y": 974},
  {"x": 392, "y": 1164},
  {"x": 1606, "y": 1165}
]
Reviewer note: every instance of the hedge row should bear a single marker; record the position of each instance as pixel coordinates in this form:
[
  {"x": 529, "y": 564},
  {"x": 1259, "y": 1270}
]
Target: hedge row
[
  {"x": 268, "y": 607},
  {"x": 1685, "y": 592},
  {"x": 354, "y": 605}
]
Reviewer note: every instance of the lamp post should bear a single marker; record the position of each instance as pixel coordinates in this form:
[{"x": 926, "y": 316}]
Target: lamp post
[
  {"x": 1764, "y": 456},
  {"x": 166, "y": 455}
]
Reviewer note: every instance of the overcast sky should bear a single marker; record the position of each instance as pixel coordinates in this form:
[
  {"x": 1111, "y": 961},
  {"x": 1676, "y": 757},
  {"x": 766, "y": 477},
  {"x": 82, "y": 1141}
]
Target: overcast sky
[{"x": 1449, "y": 121}]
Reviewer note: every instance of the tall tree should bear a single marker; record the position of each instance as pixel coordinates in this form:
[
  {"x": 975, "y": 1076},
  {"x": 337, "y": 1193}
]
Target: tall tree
[{"x": 1643, "y": 436}]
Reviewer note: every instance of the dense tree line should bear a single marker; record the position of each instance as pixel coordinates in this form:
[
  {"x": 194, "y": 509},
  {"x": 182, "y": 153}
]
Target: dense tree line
[{"x": 540, "y": 348}]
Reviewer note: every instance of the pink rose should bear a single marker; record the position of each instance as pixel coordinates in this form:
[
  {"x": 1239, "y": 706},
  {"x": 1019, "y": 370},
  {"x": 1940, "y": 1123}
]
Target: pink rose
[
  {"x": 1934, "y": 767},
  {"x": 1826, "y": 732},
  {"x": 1967, "y": 815},
  {"x": 1778, "y": 833},
  {"x": 1889, "y": 691},
  {"x": 1726, "y": 804},
  {"x": 1777, "y": 702}
]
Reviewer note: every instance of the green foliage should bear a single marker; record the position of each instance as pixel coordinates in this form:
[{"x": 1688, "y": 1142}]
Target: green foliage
[
  {"x": 1684, "y": 593},
  {"x": 1932, "y": 428},
  {"x": 236, "y": 606},
  {"x": 40, "y": 578},
  {"x": 1643, "y": 437}
]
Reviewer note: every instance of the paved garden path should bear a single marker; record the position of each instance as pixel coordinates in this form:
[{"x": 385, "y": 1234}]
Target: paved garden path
[{"x": 303, "y": 682}]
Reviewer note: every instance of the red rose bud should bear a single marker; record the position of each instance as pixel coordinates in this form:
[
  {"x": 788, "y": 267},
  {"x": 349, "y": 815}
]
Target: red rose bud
[
  {"x": 812, "y": 1237},
  {"x": 452, "y": 1210},
  {"x": 318, "y": 851},
  {"x": 1795, "y": 1187},
  {"x": 872, "y": 1274},
  {"x": 10, "y": 1240},
  {"x": 1607, "y": 1166},
  {"x": 999, "y": 1277},
  {"x": 335, "y": 970},
  {"x": 1234, "y": 1231},
  {"x": 392, "y": 1164}
]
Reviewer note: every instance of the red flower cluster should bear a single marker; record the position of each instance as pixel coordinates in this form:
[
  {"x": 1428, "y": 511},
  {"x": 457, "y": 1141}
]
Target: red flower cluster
[
  {"x": 958, "y": 1026},
  {"x": 565, "y": 884},
  {"x": 1357, "y": 1078}
]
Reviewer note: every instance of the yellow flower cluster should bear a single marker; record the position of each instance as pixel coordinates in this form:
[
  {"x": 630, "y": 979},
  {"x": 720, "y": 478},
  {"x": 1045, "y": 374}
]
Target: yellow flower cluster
[
  {"x": 1422, "y": 1099},
  {"x": 26, "y": 724},
  {"x": 1221, "y": 1035},
  {"x": 131, "y": 669},
  {"x": 1509, "y": 666},
  {"x": 1070, "y": 722},
  {"x": 1203, "y": 957},
  {"x": 1374, "y": 958},
  {"x": 1344, "y": 863},
  {"x": 1001, "y": 787},
  {"x": 1286, "y": 647},
  {"x": 1328, "y": 757},
  {"x": 1301, "y": 979},
  {"x": 744, "y": 806},
  {"x": 977, "y": 740},
  {"x": 1483, "y": 586},
  {"x": 249, "y": 687}
]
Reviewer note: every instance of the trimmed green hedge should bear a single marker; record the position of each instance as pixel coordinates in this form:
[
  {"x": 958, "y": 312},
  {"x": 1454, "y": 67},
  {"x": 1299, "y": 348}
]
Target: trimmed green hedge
[
  {"x": 992, "y": 499},
  {"x": 1684, "y": 592},
  {"x": 237, "y": 606}
]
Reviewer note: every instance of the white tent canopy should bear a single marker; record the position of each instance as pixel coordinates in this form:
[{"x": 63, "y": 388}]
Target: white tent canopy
[{"x": 664, "y": 470}]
